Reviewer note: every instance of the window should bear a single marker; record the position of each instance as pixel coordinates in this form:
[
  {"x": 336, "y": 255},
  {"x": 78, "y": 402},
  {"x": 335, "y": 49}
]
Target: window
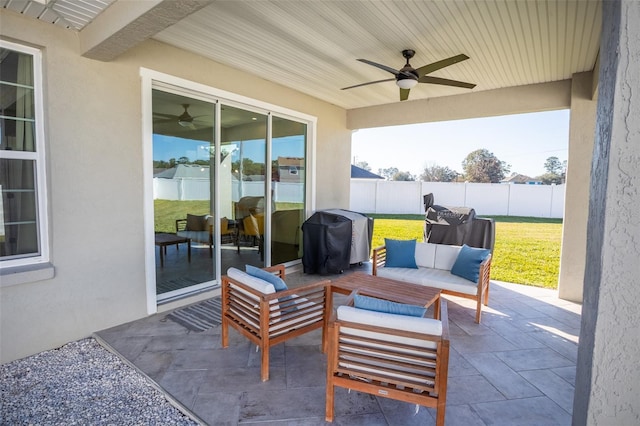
[{"x": 23, "y": 225}]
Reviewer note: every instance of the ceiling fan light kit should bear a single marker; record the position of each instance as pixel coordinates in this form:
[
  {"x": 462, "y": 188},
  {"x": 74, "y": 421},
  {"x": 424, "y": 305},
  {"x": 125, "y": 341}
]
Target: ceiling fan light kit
[
  {"x": 406, "y": 83},
  {"x": 408, "y": 77}
]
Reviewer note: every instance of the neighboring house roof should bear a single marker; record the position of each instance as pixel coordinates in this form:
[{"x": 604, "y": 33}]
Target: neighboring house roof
[
  {"x": 290, "y": 161},
  {"x": 185, "y": 171},
  {"x": 520, "y": 179},
  {"x": 360, "y": 173}
]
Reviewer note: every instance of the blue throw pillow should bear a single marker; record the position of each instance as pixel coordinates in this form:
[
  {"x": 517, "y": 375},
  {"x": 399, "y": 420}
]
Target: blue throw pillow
[
  {"x": 386, "y": 306},
  {"x": 467, "y": 264},
  {"x": 277, "y": 282},
  {"x": 400, "y": 253}
]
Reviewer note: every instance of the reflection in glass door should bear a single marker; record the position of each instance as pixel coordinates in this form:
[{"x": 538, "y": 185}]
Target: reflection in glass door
[
  {"x": 184, "y": 223},
  {"x": 288, "y": 147},
  {"x": 243, "y": 140}
]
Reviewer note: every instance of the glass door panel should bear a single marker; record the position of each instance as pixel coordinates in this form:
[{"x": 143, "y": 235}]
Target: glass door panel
[
  {"x": 288, "y": 162},
  {"x": 183, "y": 143},
  {"x": 242, "y": 186}
]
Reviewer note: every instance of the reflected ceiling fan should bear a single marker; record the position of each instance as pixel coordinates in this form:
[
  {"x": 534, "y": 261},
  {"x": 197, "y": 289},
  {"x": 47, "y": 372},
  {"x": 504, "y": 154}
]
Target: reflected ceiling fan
[
  {"x": 407, "y": 77},
  {"x": 185, "y": 119}
]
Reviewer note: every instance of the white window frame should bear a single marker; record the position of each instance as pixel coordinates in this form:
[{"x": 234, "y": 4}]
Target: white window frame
[{"x": 36, "y": 262}]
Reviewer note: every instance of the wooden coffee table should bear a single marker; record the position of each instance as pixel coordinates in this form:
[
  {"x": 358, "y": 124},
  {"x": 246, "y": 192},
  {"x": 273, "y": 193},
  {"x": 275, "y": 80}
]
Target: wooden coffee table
[
  {"x": 385, "y": 288},
  {"x": 164, "y": 239}
]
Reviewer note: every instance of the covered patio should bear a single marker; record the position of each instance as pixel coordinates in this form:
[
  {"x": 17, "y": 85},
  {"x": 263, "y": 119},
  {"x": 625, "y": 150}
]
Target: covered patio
[
  {"x": 92, "y": 264},
  {"x": 517, "y": 367}
]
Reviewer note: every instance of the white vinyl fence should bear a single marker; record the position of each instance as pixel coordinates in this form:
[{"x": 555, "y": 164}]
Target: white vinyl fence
[
  {"x": 200, "y": 189},
  {"x": 488, "y": 199}
]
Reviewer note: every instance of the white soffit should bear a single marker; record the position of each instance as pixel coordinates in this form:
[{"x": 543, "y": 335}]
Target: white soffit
[
  {"x": 73, "y": 14},
  {"x": 312, "y": 46}
]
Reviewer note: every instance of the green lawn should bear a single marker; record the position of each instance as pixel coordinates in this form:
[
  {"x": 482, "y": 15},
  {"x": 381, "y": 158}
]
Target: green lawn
[{"x": 527, "y": 250}]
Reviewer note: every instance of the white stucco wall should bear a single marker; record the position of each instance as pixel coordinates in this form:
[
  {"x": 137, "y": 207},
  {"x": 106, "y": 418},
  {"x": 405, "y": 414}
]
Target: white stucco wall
[
  {"x": 615, "y": 379},
  {"x": 94, "y": 148},
  {"x": 607, "y": 375}
]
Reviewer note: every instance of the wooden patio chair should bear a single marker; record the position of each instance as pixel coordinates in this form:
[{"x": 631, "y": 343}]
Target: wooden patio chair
[
  {"x": 266, "y": 317},
  {"x": 394, "y": 356}
]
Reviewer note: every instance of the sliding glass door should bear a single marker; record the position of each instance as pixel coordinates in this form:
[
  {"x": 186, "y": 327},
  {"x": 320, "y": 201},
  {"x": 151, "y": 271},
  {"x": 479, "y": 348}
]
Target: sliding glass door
[
  {"x": 243, "y": 135},
  {"x": 229, "y": 188},
  {"x": 288, "y": 183},
  {"x": 183, "y": 192}
]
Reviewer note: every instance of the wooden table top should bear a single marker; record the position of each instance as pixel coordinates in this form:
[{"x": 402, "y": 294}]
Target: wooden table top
[
  {"x": 163, "y": 238},
  {"x": 385, "y": 288}
]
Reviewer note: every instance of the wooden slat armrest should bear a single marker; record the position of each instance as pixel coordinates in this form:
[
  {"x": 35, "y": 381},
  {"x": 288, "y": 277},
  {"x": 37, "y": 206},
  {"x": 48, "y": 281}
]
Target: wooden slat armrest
[
  {"x": 279, "y": 270},
  {"x": 299, "y": 291},
  {"x": 379, "y": 258},
  {"x": 181, "y": 224}
]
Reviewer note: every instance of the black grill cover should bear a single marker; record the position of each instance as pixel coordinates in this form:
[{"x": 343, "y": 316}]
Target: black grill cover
[
  {"x": 326, "y": 243},
  {"x": 458, "y": 226}
]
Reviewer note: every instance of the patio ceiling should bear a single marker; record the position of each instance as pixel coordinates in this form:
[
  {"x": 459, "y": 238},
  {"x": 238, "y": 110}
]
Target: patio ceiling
[{"x": 312, "y": 46}]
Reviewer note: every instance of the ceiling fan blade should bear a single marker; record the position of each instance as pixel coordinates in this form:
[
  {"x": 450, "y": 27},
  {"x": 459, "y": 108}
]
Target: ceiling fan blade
[
  {"x": 366, "y": 84},
  {"x": 382, "y": 67},
  {"x": 163, "y": 120},
  {"x": 428, "y": 69},
  {"x": 445, "y": 82},
  {"x": 170, "y": 116},
  {"x": 404, "y": 94}
]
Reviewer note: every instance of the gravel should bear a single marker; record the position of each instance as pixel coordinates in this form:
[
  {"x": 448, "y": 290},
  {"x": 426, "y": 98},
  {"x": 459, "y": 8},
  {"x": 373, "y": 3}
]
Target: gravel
[{"x": 81, "y": 383}]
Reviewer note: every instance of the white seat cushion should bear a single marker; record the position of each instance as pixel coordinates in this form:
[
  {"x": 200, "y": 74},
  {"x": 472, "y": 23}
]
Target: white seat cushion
[
  {"x": 429, "y": 277},
  {"x": 399, "y": 322},
  {"x": 255, "y": 283}
]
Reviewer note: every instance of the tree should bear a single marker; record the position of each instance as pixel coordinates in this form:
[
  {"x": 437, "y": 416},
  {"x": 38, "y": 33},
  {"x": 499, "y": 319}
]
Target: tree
[
  {"x": 553, "y": 165},
  {"x": 363, "y": 165},
  {"x": 556, "y": 171},
  {"x": 388, "y": 173},
  {"x": 404, "y": 176},
  {"x": 435, "y": 173},
  {"x": 482, "y": 166}
]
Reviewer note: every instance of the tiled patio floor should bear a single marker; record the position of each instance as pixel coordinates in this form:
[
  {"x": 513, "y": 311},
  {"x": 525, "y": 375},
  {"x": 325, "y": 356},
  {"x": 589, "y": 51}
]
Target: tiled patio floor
[{"x": 515, "y": 368}]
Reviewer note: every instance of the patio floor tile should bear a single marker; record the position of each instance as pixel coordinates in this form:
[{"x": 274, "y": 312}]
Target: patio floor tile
[
  {"x": 508, "y": 382},
  {"x": 515, "y": 368},
  {"x": 522, "y": 412}
]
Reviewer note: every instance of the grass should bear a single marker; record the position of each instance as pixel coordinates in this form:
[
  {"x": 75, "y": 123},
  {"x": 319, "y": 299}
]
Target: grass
[{"x": 527, "y": 250}]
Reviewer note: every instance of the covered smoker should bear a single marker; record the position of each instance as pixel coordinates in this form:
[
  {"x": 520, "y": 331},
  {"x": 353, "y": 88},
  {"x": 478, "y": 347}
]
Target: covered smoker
[
  {"x": 335, "y": 239},
  {"x": 457, "y": 226}
]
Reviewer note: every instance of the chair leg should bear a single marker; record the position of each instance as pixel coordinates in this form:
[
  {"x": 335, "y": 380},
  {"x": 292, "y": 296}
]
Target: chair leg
[
  {"x": 440, "y": 411},
  {"x": 486, "y": 296},
  {"x": 264, "y": 362},
  {"x": 329, "y": 403},
  {"x": 479, "y": 310},
  {"x": 224, "y": 332}
]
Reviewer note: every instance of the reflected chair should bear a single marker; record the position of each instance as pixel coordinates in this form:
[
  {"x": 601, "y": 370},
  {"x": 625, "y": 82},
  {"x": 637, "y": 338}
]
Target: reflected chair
[
  {"x": 252, "y": 229},
  {"x": 200, "y": 229}
]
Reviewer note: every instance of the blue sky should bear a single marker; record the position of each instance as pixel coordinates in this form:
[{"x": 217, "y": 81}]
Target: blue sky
[{"x": 524, "y": 141}]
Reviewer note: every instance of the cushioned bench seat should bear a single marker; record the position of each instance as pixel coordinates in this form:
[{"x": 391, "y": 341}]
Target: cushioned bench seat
[{"x": 431, "y": 265}]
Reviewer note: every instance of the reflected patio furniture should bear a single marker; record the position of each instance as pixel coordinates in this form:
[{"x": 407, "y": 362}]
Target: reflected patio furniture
[
  {"x": 251, "y": 231},
  {"x": 199, "y": 228}
]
